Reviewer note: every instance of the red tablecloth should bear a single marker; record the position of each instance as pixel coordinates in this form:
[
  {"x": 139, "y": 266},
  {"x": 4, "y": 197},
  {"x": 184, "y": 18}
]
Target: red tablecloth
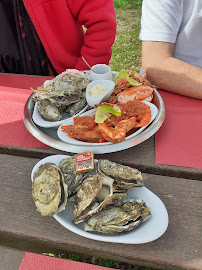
[
  {"x": 179, "y": 141},
  {"x": 21, "y": 81},
  {"x": 32, "y": 261},
  {"x": 14, "y": 92}
]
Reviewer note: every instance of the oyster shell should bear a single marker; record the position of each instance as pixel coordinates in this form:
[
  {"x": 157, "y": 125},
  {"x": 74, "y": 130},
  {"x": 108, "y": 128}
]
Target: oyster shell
[
  {"x": 125, "y": 177},
  {"x": 71, "y": 79},
  {"x": 94, "y": 194},
  {"x": 73, "y": 180},
  {"x": 49, "y": 111},
  {"x": 52, "y": 105},
  {"x": 49, "y": 191},
  {"x": 79, "y": 105},
  {"x": 54, "y": 99},
  {"x": 119, "y": 217}
]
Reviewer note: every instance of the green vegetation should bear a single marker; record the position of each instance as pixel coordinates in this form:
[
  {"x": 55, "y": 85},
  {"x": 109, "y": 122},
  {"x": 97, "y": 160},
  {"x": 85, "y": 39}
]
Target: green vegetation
[
  {"x": 126, "y": 50},
  {"x": 101, "y": 262},
  {"x": 127, "y": 3}
]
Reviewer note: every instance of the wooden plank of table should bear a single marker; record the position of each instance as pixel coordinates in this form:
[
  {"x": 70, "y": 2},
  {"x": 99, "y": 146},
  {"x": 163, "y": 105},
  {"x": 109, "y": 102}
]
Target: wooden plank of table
[
  {"x": 22, "y": 227},
  {"x": 141, "y": 157}
]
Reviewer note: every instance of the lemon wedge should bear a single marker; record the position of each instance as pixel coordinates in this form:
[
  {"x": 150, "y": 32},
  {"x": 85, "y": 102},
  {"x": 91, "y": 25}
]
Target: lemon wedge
[
  {"x": 124, "y": 75},
  {"x": 101, "y": 115},
  {"x": 121, "y": 75},
  {"x": 134, "y": 82},
  {"x": 115, "y": 110},
  {"x": 104, "y": 112}
]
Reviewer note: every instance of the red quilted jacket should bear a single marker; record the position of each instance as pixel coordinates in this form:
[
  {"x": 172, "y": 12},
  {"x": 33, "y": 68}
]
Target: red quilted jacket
[{"x": 59, "y": 26}]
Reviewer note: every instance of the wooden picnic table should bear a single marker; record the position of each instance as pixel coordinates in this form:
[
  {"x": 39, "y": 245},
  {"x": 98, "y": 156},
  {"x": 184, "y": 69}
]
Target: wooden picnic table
[{"x": 23, "y": 228}]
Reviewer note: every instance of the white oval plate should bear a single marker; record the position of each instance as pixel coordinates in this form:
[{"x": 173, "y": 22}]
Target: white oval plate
[
  {"x": 40, "y": 121},
  {"x": 146, "y": 232},
  {"x": 65, "y": 138}
]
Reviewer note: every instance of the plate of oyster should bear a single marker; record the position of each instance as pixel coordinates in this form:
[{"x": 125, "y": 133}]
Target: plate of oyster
[
  {"x": 61, "y": 98},
  {"x": 109, "y": 204}
]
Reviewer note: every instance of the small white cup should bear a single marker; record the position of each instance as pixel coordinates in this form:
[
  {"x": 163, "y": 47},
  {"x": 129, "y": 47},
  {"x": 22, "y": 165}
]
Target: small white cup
[{"x": 100, "y": 72}]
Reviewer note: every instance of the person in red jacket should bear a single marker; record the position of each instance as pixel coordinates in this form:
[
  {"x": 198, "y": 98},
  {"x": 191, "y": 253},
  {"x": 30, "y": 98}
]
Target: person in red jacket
[{"x": 47, "y": 37}]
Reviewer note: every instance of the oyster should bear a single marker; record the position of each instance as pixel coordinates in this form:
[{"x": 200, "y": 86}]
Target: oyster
[
  {"x": 49, "y": 191},
  {"x": 57, "y": 95},
  {"x": 125, "y": 177},
  {"x": 71, "y": 79},
  {"x": 94, "y": 194},
  {"x": 79, "y": 105},
  {"x": 119, "y": 217},
  {"x": 73, "y": 180}
]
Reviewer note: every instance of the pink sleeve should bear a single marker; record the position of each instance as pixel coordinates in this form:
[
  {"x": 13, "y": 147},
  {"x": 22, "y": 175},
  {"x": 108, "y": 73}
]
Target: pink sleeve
[{"x": 100, "y": 20}]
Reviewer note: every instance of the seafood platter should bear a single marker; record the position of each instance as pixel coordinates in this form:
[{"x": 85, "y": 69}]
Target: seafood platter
[
  {"x": 98, "y": 199},
  {"x": 74, "y": 114}
]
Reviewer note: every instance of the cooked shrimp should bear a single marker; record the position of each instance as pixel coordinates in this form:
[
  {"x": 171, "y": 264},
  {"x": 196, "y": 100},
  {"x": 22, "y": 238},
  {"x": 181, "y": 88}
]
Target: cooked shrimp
[
  {"x": 84, "y": 129},
  {"x": 137, "y": 76},
  {"x": 88, "y": 121},
  {"x": 140, "y": 92},
  {"x": 118, "y": 133},
  {"x": 94, "y": 135},
  {"x": 80, "y": 123}
]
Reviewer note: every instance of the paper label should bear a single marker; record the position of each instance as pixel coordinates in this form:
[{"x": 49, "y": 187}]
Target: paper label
[{"x": 84, "y": 162}]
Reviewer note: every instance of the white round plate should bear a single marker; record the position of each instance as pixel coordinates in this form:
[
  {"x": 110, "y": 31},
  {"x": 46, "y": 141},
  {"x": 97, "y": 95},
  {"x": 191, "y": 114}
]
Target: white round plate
[
  {"x": 40, "y": 121},
  {"x": 146, "y": 232},
  {"x": 65, "y": 138}
]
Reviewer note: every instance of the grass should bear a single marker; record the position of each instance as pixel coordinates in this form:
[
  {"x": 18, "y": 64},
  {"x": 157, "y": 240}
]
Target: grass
[
  {"x": 127, "y": 3},
  {"x": 126, "y": 50},
  {"x": 126, "y": 54},
  {"x": 100, "y": 262}
]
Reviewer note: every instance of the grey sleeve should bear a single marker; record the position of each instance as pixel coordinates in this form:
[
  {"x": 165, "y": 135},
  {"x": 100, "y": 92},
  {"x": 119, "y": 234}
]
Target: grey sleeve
[{"x": 161, "y": 20}]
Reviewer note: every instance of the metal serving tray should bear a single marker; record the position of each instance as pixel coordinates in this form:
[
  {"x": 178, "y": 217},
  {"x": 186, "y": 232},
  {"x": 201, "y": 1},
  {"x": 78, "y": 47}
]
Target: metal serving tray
[{"x": 49, "y": 136}]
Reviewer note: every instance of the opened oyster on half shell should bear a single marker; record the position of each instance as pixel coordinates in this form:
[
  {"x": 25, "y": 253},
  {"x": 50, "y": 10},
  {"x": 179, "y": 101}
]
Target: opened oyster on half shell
[
  {"x": 64, "y": 94},
  {"x": 49, "y": 191},
  {"x": 119, "y": 217},
  {"x": 124, "y": 177},
  {"x": 112, "y": 182},
  {"x": 93, "y": 195},
  {"x": 71, "y": 178}
]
